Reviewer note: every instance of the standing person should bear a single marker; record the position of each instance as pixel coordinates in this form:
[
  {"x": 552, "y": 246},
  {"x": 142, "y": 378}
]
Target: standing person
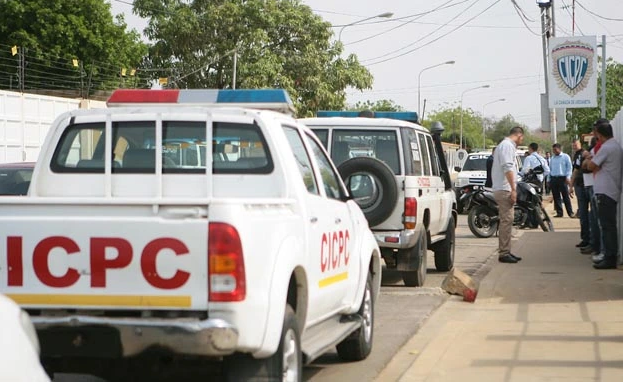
[
  {"x": 595, "y": 246},
  {"x": 533, "y": 160},
  {"x": 505, "y": 190},
  {"x": 560, "y": 178},
  {"x": 606, "y": 164},
  {"x": 577, "y": 182},
  {"x": 489, "y": 164},
  {"x": 546, "y": 179}
]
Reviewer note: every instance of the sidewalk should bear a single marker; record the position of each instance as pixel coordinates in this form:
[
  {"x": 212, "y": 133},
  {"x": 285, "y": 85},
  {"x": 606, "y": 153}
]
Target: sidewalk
[{"x": 551, "y": 317}]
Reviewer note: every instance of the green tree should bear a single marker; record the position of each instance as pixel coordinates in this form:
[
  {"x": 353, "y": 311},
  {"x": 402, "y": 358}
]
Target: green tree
[
  {"x": 580, "y": 120},
  {"x": 52, "y": 33},
  {"x": 450, "y": 117},
  {"x": 380, "y": 105},
  {"x": 278, "y": 43}
]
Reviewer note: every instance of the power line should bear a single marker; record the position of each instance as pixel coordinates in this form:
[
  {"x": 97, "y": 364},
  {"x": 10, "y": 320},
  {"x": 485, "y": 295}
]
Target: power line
[
  {"x": 438, "y": 38},
  {"x": 415, "y": 17},
  {"x": 523, "y": 18},
  {"x": 566, "y": 8},
  {"x": 595, "y": 14},
  {"x": 421, "y": 38}
]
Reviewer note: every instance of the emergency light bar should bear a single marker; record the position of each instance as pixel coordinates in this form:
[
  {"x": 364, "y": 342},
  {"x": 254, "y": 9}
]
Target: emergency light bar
[
  {"x": 267, "y": 99},
  {"x": 409, "y": 116}
]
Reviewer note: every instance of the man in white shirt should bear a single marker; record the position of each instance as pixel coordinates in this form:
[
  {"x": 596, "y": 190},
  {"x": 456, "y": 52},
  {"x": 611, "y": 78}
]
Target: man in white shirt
[{"x": 505, "y": 190}]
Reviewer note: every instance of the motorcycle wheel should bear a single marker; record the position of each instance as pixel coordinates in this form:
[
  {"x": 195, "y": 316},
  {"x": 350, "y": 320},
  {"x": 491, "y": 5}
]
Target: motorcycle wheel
[
  {"x": 543, "y": 219},
  {"x": 480, "y": 222}
]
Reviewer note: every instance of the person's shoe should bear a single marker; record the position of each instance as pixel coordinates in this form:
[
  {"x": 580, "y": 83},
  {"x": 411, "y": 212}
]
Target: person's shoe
[
  {"x": 581, "y": 244},
  {"x": 605, "y": 264},
  {"x": 572, "y": 215},
  {"x": 587, "y": 250},
  {"x": 518, "y": 258},
  {"x": 557, "y": 216},
  {"x": 507, "y": 259},
  {"x": 598, "y": 258}
]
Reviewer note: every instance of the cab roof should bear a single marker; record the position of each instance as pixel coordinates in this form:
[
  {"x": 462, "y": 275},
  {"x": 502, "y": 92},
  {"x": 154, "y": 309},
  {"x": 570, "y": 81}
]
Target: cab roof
[{"x": 265, "y": 99}]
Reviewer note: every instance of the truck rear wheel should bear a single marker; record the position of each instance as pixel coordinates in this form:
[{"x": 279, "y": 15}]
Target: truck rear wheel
[
  {"x": 358, "y": 345},
  {"x": 417, "y": 276},
  {"x": 444, "y": 250},
  {"x": 285, "y": 365}
]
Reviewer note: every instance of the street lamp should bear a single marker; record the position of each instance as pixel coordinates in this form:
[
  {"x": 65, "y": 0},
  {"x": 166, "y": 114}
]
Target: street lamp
[
  {"x": 484, "y": 144},
  {"x": 419, "y": 110},
  {"x": 384, "y": 15},
  {"x": 465, "y": 91}
]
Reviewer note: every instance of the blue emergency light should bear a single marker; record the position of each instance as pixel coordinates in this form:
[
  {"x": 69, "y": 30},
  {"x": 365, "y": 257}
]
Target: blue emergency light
[
  {"x": 409, "y": 116},
  {"x": 269, "y": 99}
]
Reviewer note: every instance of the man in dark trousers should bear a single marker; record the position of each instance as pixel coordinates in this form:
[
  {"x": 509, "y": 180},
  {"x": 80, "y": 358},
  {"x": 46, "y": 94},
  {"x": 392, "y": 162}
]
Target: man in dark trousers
[
  {"x": 560, "y": 177},
  {"x": 577, "y": 182},
  {"x": 607, "y": 166}
]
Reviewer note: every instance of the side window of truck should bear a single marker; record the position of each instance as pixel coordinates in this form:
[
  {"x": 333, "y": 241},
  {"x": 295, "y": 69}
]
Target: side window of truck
[
  {"x": 414, "y": 152},
  {"x": 302, "y": 159},
  {"x": 330, "y": 179}
]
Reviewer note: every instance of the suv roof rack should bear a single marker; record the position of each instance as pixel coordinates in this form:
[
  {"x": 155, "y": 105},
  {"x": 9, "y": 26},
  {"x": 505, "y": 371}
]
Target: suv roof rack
[
  {"x": 409, "y": 116},
  {"x": 267, "y": 99}
]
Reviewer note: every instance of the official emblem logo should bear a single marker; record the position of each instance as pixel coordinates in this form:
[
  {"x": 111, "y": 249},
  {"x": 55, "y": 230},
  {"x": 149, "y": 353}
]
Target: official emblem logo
[{"x": 573, "y": 66}]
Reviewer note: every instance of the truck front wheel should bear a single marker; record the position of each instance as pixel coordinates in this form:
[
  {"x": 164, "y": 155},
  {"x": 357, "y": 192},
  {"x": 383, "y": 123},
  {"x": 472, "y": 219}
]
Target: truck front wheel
[
  {"x": 285, "y": 365},
  {"x": 358, "y": 345}
]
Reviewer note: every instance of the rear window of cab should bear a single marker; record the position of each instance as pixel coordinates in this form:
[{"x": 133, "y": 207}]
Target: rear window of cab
[{"x": 236, "y": 148}]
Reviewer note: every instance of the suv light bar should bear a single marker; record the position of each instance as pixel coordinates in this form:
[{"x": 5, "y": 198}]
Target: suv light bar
[{"x": 267, "y": 99}]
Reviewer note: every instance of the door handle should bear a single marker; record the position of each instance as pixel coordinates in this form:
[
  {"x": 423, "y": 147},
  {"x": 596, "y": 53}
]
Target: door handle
[
  {"x": 338, "y": 220},
  {"x": 179, "y": 213},
  {"x": 313, "y": 219}
]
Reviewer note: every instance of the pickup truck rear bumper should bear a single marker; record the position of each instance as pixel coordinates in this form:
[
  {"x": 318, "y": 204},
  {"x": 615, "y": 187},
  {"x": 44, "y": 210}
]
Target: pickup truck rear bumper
[
  {"x": 211, "y": 337},
  {"x": 403, "y": 239}
]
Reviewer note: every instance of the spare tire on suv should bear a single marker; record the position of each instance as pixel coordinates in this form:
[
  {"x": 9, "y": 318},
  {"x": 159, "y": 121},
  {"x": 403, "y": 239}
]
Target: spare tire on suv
[{"x": 373, "y": 186}]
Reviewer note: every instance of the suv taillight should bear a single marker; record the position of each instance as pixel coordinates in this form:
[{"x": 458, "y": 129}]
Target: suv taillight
[
  {"x": 410, "y": 213},
  {"x": 226, "y": 277}
]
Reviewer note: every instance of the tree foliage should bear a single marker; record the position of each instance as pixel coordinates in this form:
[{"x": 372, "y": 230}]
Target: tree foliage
[
  {"x": 450, "y": 117},
  {"x": 380, "y": 105},
  {"x": 581, "y": 120},
  {"x": 52, "y": 33},
  {"x": 278, "y": 44}
]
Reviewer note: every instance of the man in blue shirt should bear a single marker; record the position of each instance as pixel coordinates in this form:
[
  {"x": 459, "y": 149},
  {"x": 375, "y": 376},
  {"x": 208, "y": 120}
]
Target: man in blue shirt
[
  {"x": 560, "y": 178},
  {"x": 533, "y": 160}
]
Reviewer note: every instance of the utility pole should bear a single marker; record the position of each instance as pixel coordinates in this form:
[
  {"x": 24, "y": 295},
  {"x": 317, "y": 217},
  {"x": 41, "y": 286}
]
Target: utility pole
[
  {"x": 603, "y": 76},
  {"x": 548, "y": 29}
]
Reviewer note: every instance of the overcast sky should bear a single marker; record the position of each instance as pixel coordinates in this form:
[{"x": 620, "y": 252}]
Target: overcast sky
[{"x": 487, "y": 39}]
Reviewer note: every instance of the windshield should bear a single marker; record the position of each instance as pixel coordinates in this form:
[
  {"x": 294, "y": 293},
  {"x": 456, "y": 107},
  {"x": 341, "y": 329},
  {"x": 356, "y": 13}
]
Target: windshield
[{"x": 476, "y": 163}]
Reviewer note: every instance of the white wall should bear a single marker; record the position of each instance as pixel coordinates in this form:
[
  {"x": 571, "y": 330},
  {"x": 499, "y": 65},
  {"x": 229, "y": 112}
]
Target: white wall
[{"x": 25, "y": 120}]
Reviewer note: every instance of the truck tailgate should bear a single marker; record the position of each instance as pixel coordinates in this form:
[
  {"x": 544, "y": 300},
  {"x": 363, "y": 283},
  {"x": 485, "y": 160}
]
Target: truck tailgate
[{"x": 105, "y": 262}]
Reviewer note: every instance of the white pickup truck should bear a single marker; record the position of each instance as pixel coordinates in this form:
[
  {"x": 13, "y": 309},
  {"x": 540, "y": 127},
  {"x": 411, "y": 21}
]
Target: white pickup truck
[{"x": 204, "y": 233}]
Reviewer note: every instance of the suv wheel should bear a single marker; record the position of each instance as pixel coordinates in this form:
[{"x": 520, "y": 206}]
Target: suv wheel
[
  {"x": 372, "y": 184},
  {"x": 444, "y": 250},
  {"x": 418, "y": 254}
]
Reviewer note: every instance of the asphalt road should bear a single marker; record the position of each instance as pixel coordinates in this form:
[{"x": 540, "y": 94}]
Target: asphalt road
[{"x": 400, "y": 312}]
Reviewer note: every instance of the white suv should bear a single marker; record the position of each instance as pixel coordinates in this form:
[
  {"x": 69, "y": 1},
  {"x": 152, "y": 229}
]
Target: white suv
[{"x": 397, "y": 173}]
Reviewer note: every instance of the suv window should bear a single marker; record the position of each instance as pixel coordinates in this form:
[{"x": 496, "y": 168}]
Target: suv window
[
  {"x": 476, "y": 163},
  {"x": 425, "y": 154},
  {"x": 434, "y": 160},
  {"x": 379, "y": 144},
  {"x": 411, "y": 142}
]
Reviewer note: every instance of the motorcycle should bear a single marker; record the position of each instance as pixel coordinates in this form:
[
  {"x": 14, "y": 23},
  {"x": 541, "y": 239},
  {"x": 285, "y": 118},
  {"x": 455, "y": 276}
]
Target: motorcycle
[{"x": 483, "y": 218}]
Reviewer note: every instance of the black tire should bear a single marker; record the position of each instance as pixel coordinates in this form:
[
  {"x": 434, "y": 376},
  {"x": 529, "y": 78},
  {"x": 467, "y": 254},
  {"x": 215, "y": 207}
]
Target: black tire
[
  {"x": 417, "y": 277},
  {"x": 285, "y": 365},
  {"x": 358, "y": 345},
  {"x": 445, "y": 249},
  {"x": 549, "y": 226},
  {"x": 480, "y": 221},
  {"x": 380, "y": 205}
]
